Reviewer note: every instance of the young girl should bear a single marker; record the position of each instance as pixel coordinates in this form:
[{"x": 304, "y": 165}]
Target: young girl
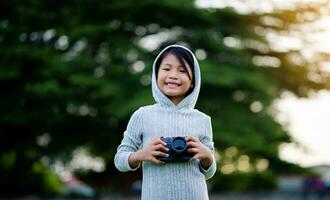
[{"x": 176, "y": 83}]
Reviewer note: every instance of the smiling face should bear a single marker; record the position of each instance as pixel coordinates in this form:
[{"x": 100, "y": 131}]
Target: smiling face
[{"x": 173, "y": 79}]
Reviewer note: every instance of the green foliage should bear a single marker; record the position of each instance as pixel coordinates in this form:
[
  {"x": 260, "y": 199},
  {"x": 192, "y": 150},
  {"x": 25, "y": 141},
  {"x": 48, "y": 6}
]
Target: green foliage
[
  {"x": 44, "y": 180},
  {"x": 24, "y": 176},
  {"x": 8, "y": 160},
  {"x": 67, "y": 72}
]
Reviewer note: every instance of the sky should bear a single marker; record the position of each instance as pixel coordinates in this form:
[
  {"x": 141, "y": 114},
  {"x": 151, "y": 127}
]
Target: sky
[{"x": 306, "y": 119}]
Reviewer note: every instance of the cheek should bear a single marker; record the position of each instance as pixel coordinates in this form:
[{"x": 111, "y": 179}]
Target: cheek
[
  {"x": 158, "y": 77},
  {"x": 160, "y": 81},
  {"x": 189, "y": 84},
  {"x": 160, "y": 74},
  {"x": 186, "y": 79}
]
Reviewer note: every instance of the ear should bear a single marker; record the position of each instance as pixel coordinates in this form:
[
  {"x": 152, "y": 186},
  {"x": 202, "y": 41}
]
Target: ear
[{"x": 192, "y": 86}]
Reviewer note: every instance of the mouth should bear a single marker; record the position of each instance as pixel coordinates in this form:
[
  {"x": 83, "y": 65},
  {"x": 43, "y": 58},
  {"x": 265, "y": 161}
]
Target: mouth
[{"x": 172, "y": 84}]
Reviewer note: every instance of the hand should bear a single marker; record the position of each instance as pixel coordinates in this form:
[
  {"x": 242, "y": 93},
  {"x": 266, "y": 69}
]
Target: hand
[
  {"x": 156, "y": 148},
  {"x": 200, "y": 151}
]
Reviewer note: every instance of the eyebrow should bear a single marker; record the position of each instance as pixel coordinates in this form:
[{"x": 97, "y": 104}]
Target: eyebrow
[{"x": 172, "y": 65}]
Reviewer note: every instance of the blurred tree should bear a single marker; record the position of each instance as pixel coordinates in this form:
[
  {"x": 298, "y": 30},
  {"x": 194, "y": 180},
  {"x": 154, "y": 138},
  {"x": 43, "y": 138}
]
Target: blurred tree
[{"x": 72, "y": 73}]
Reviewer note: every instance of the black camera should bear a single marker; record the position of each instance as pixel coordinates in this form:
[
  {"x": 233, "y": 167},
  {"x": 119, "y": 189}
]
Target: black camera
[{"x": 177, "y": 147}]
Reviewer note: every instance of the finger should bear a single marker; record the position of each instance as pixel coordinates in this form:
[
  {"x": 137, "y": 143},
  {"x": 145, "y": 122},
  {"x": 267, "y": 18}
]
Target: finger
[
  {"x": 192, "y": 138},
  {"x": 158, "y": 141},
  {"x": 161, "y": 148},
  {"x": 156, "y": 161},
  {"x": 194, "y": 158},
  {"x": 192, "y": 144},
  {"x": 160, "y": 154},
  {"x": 193, "y": 150}
]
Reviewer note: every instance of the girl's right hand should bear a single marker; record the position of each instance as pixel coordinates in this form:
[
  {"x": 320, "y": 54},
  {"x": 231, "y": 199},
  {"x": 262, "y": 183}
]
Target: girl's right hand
[{"x": 156, "y": 148}]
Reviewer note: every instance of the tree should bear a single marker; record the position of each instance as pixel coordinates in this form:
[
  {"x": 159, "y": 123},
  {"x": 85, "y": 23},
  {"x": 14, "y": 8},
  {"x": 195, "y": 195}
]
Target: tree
[{"x": 72, "y": 72}]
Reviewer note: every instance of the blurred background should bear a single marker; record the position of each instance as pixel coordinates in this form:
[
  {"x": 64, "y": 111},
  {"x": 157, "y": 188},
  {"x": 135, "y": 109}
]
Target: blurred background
[{"x": 73, "y": 71}]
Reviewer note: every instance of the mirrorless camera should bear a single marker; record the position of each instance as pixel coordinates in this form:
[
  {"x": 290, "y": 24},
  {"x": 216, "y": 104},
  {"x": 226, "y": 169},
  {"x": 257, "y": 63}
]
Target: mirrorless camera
[{"x": 177, "y": 147}]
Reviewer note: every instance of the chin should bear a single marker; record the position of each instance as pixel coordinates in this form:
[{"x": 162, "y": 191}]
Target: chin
[{"x": 169, "y": 94}]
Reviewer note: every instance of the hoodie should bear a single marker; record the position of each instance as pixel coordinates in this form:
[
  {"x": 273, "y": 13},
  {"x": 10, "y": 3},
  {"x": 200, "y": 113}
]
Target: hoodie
[{"x": 182, "y": 180}]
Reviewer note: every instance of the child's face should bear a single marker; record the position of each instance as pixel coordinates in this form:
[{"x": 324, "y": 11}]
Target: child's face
[{"x": 173, "y": 79}]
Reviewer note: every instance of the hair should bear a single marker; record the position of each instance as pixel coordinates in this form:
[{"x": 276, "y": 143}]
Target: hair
[{"x": 183, "y": 56}]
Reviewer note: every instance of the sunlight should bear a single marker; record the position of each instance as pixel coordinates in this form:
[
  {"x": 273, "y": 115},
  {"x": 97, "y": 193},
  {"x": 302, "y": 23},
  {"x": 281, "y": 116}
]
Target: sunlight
[
  {"x": 248, "y": 6},
  {"x": 153, "y": 41},
  {"x": 83, "y": 160},
  {"x": 307, "y": 119},
  {"x": 308, "y": 122}
]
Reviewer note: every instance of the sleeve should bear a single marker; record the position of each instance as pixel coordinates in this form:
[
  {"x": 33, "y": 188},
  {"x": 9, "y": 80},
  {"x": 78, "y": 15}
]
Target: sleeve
[
  {"x": 131, "y": 142},
  {"x": 207, "y": 140}
]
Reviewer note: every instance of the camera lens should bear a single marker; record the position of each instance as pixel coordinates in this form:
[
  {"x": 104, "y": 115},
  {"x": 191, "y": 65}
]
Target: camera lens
[{"x": 179, "y": 145}]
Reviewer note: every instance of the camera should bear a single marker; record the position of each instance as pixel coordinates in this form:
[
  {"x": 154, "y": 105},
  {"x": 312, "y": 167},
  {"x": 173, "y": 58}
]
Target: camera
[{"x": 177, "y": 147}]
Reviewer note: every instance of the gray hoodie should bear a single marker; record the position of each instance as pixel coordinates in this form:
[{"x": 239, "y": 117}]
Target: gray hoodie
[{"x": 182, "y": 180}]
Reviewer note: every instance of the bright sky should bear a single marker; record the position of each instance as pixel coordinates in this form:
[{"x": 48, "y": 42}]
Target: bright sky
[
  {"x": 308, "y": 120},
  {"x": 309, "y": 124},
  {"x": 246, "y": 6}
]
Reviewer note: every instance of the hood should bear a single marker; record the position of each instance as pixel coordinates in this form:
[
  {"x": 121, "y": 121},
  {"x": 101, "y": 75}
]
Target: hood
[{"x": 189, "y": 101}]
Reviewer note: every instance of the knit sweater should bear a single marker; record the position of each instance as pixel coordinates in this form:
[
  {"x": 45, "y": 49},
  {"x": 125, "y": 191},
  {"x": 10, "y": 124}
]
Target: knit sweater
[{"x": 170, "y": 181}]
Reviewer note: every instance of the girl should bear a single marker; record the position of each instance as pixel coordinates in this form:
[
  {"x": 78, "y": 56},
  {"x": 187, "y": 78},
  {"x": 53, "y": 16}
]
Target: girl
[{"x": 176, "y": 83}]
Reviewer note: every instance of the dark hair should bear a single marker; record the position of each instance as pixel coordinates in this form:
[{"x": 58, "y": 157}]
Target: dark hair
[{"x": 183, "y": 56}]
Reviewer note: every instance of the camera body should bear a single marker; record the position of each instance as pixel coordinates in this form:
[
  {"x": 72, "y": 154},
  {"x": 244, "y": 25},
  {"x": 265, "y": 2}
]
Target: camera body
[{"x": 177, "y": 147}]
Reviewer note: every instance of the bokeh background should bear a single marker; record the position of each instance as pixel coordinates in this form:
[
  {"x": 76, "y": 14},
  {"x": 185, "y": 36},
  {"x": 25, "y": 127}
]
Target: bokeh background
[{"x": 73, "y": 71}]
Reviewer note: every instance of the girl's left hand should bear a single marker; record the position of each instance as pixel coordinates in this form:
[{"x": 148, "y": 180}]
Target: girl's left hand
[{"x": 200, "y": 150}]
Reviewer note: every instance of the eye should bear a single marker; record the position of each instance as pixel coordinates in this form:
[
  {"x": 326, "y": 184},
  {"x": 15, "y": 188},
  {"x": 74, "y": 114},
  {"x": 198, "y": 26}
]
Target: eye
[
  {"x": 182, "y": 70},
  {"x": 166, "y": 69}
]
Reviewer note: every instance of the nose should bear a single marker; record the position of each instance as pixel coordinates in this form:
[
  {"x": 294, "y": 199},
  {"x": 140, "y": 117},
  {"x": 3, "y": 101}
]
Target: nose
[{"x": 173, "y": 75}]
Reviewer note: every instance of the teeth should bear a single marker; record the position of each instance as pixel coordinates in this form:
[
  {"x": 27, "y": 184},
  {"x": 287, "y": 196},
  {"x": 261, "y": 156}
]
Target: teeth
[{"x": 172, "y": 84}]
